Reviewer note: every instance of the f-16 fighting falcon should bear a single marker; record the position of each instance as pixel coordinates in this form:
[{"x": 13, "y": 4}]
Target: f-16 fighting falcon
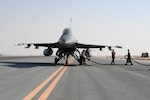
[{"x": 67, "y": 45}]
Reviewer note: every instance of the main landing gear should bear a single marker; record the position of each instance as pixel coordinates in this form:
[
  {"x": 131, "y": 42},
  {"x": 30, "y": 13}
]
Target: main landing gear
[
  {"x": 60, "y": 57},
  {"x": 81, "y": 60}
]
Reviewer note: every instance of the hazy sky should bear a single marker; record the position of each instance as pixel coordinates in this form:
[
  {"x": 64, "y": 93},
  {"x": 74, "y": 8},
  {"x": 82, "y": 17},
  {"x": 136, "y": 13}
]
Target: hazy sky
[{"x": 103, "y": 22}]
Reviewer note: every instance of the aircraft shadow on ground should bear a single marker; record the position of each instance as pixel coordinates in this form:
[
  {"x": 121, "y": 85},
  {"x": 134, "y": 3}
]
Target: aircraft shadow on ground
[{"x": 33, "y": 64}]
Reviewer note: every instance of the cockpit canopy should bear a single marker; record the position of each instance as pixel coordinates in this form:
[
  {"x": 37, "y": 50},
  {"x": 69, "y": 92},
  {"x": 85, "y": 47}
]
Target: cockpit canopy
[
  {"x": 67, "y": 36},
  {"x": 67, "y": 31}
]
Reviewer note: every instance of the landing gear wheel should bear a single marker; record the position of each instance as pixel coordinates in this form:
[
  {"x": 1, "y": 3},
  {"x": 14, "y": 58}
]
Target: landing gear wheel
[
  {"x": 66, "y": 62},
  {"x": 80, "y": 61},
  {"x": 55, "y": 60}
]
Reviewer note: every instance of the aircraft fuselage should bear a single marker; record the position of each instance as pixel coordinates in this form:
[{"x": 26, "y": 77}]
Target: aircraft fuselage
[{"x": 67, "y": 42}]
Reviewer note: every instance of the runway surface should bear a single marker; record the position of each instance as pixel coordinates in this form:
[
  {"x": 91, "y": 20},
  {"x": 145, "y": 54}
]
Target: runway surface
[{"x": 39, "y": 78}]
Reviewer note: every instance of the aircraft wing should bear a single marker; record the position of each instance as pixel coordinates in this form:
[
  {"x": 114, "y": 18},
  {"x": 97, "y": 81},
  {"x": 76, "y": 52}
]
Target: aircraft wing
[
  {"x": 80, "y": 45},
  {"x": 53, "y": 45},
  {"x": 57, "y": 45}
]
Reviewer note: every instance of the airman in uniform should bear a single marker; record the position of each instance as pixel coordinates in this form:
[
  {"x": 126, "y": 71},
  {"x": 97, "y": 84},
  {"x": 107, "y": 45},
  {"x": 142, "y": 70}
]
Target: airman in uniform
[
  {"x": 113, "y": 57},
  {"x": 128, "y": 58}
]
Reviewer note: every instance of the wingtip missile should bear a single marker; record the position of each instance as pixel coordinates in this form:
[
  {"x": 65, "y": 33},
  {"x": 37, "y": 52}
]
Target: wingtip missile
[
  {"x": 16, "y": 44},
  {"x": 19, "y": 44},
  {"x": 119, "y": 47}
]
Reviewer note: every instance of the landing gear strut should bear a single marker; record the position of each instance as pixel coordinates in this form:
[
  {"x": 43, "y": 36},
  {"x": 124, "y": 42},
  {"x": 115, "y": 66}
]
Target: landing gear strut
[
  {"x": 56, "y": 60},
  {"x": 66, "y": 62},
  {"x": 67, "y": 56}
]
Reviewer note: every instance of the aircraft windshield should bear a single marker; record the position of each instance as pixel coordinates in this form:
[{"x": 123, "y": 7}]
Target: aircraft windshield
[{"x": 66, "y": 31}]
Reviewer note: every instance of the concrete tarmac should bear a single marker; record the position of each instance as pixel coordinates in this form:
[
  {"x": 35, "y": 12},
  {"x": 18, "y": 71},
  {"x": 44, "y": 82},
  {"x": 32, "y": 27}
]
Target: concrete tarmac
[{"x": 39, "y": 78}]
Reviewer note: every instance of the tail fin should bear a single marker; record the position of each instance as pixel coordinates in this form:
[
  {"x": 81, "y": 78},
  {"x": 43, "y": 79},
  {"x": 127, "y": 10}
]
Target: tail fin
[{"x": 70, "y": 22}]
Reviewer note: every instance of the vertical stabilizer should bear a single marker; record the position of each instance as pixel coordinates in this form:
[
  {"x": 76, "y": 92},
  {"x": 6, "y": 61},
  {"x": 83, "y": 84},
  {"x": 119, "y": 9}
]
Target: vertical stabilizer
[{"x": 70, "y": 22}]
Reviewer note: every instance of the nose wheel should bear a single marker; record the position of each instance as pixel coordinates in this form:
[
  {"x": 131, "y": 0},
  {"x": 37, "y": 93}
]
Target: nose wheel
[{"x": 56, "y": 60}]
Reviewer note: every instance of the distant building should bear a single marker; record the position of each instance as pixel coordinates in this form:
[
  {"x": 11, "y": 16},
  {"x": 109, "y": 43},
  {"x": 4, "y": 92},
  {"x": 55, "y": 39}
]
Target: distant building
[{"x": 145, "y": 55}]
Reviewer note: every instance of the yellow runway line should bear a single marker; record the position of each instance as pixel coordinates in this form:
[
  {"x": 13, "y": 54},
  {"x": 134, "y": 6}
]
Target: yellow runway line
[
  {"x": 48, "y": 91},
  {"x": 36, "y": 90}
]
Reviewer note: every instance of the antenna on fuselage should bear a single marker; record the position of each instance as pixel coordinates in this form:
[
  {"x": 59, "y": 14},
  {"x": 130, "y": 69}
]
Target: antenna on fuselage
[{"x": 70, "y": 22}]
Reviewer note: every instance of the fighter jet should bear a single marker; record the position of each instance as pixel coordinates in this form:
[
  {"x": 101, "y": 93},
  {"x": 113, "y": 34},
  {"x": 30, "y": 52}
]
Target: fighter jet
[{"x": 67, "y": 45}]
